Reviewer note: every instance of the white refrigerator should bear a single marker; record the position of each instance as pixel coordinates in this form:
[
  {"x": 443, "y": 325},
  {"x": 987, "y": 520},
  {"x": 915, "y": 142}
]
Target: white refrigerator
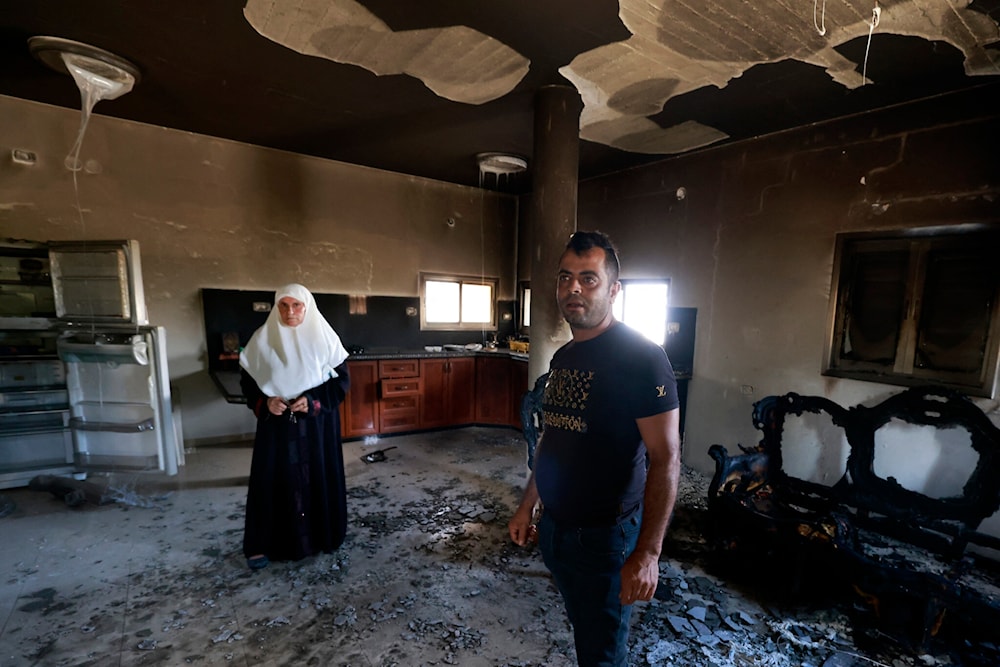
[{"x": 108, "y": 406}]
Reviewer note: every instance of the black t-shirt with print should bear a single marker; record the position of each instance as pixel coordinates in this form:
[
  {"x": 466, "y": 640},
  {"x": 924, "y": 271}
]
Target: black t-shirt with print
[{"x": 592, "y": 462}]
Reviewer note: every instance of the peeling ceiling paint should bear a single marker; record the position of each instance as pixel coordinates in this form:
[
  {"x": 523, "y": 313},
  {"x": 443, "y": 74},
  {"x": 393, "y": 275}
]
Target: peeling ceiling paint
[
  {"x": 457, "y": 63},
  {"x": 422, "y": 88},
  {"x": 675, "y": 48},
  {"x": 678, "y": 47}
]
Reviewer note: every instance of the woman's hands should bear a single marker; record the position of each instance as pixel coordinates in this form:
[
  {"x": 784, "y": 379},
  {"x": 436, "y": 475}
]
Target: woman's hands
[{"x": 278, "y": 406}]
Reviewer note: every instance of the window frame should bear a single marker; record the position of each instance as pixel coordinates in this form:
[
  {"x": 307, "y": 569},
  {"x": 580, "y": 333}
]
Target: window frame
[
  {"x": 903, "y": 369},
  {"x": 461, "y": 280}
]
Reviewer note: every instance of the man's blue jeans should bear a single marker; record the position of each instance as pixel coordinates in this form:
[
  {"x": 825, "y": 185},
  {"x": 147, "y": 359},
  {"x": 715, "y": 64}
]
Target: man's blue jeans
[{"x": 586, "y": 564}]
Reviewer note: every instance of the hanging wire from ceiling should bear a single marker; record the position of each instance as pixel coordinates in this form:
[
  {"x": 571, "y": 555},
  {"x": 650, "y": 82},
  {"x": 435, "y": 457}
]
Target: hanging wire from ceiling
[
  {"x": 876, "y": 16},
  {"x": 99, "y": 74},
  {"x": 500, "y": 166},
  {"x": 821, "y": 26}
]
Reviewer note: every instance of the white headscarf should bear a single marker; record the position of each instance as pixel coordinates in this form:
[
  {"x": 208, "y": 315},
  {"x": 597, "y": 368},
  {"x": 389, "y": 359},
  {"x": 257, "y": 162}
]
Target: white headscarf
[{"x": 286, "y": 361}]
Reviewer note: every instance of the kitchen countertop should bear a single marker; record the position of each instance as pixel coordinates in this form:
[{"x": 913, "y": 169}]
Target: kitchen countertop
[
  {"x": 376, "y": 354},
  {"x": 228, "y": 381}
]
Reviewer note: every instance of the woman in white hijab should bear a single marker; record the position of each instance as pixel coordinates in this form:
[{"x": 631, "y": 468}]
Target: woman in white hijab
[{"x": 294, "y": 377}]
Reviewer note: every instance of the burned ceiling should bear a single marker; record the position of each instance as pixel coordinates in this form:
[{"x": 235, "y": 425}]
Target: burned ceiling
[{"x": 423, "y": 91}]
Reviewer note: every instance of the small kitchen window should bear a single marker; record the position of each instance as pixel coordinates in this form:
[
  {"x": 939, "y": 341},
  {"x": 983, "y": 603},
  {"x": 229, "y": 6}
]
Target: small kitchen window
[
  {"x": 644, "y": 305},
  {"x": 917, "y": 307},
  {"x": 456, "y": 303}
]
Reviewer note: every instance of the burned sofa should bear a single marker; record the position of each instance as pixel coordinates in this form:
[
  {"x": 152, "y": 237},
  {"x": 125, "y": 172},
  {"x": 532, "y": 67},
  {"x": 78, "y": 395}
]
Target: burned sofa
[{"x": 916, "y": 561}]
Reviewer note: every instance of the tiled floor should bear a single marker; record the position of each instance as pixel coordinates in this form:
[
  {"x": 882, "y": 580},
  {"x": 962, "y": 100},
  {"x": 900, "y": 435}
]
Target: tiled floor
[{"x": 427, "y": 576}]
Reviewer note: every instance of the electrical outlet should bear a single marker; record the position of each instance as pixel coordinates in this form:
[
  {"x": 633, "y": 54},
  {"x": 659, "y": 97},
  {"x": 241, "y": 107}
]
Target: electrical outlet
[
  {"x": 746, "y": 389},
  {"x": 22, "y": 156}
]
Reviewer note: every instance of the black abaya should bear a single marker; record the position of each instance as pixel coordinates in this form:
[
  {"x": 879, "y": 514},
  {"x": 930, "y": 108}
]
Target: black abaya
[{"x": 296, "y": 500}]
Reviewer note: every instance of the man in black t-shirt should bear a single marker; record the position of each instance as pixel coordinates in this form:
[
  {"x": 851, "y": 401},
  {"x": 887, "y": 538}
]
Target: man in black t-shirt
[{"x": 607, "y": 465}]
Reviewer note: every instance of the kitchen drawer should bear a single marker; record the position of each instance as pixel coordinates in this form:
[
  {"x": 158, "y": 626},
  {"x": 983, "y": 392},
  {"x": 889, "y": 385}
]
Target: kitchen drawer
[
  {"x": 402, "y": 419},
  {"x": 400, "y": 387},
  {"x": 20, "y": 451},
  {"x": 395, "y": 368},
  {"x": 27, "y": 374},
  {"x": 398, "y": 403},
  {"x": 33, "y": 399},
  {"x": 36, "y": 420}
]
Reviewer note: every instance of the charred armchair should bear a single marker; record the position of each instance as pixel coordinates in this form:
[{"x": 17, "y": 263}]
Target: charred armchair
[{"x": 918, "y": 563}]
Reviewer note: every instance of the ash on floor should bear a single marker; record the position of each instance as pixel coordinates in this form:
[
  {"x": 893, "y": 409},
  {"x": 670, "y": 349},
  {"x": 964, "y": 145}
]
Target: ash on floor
[{"x": 427, "y": 576}]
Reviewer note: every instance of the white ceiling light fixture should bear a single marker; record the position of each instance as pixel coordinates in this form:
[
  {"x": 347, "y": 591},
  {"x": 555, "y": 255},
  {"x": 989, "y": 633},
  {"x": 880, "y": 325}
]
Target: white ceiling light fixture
[
  {"x": 501, "y": 163},
  {"x": 99, "y": 74}
]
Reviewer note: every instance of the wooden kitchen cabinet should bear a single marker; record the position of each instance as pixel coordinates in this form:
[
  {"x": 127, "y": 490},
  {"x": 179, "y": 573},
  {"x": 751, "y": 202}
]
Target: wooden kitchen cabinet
[
  {"x": 448, "y": 391},
  {"x": 399, "y": 395},
  {"x": 493, "y": 390},
  {"x": 399, "y": 409},
  {"x": 398, "y": 368},
  {"x": 359, "y": 415},
  {"x": 501, "y": 383}
]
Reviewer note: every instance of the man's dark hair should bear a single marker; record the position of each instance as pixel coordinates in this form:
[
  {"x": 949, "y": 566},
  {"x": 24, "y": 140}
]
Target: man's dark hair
[{"x": 581, "y": 242}]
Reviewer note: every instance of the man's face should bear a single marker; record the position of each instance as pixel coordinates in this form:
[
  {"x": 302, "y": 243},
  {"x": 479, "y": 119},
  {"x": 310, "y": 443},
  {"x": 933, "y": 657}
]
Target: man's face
[
  {"x": 291, "y": 311},
  {"x": 584, "y": 290}
]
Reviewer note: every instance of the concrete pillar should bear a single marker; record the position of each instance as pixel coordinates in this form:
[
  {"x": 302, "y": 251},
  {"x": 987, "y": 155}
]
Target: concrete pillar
[{"x": 551, "y": 215}]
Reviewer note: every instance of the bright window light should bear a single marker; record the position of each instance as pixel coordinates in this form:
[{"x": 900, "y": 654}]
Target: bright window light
[
  {"x": 441, "y": 301},
  {"x": 477, "y": 303},
  {"x": 643, "y": 305},
  {"x": 456, "y": 303}
]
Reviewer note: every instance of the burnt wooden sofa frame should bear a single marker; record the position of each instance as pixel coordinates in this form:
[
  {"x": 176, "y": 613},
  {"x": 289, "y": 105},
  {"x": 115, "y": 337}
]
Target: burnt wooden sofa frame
[{"x": 906, "y": 556}]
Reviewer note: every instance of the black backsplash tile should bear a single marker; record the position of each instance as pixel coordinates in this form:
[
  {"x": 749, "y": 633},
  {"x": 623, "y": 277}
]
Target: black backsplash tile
[{"x": 386, "y": 326}]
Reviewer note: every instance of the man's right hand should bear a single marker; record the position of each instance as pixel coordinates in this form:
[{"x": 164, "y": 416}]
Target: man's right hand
[{"x": 521, "y": 528}]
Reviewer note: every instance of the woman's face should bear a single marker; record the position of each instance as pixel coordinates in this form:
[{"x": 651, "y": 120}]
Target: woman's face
[{"x": 291, "y": 311}]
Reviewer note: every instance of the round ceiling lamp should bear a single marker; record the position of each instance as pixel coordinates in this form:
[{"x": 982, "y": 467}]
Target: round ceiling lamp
[
  {"x": 99, "y": 74},
  {"x": 501, "y": 163},
  {"x": 56, "y": 52}
]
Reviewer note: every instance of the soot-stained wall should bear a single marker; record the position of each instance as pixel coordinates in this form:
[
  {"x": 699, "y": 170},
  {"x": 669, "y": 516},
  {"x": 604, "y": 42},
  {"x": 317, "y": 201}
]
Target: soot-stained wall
[
  {"x": 749, "y": 242},
  {"x": 217, "y": 214}
]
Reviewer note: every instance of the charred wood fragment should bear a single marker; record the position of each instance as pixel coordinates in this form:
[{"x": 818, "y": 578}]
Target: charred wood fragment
[{"x": 73, "y": 492}]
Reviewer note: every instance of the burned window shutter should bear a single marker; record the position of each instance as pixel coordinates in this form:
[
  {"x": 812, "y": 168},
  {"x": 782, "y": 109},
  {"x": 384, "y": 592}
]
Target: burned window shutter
[
  {"x": 876, "y": 289},
  {"x": 917, "y": 306},
  {"x": 958, "y": 297}
]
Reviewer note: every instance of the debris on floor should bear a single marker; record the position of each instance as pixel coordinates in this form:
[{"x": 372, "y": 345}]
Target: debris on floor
[
  {"x": 6, "y": 506},
  {"x": 73, "y": 492},
  {"x": 377, "y": 456},
  {"x": 427, "y": 576}
]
